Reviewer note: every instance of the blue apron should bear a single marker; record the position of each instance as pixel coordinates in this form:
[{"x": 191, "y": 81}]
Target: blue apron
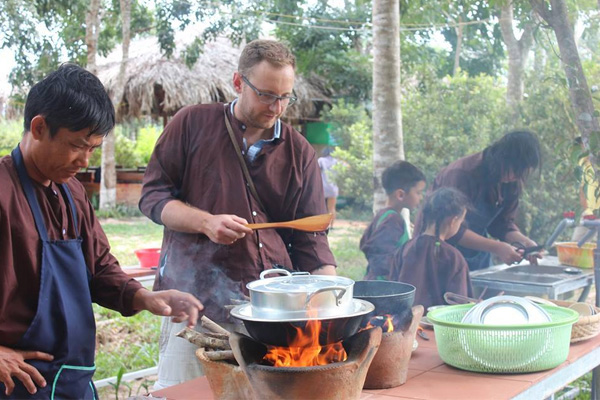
[
  {"x": 478, "y": 220},
  {"x": 64, "y": 324}
]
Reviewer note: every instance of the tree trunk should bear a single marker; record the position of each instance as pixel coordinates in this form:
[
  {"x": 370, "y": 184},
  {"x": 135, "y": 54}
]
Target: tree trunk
[
  {"x": 108, "y": 185},
  {"x": 92, "y": 28},
  {"x": 579, "y": 92},
  {"x": 518, "y": 52},
  {"x": 387, "y": 116},
  {"x": 459, "y": 39}
]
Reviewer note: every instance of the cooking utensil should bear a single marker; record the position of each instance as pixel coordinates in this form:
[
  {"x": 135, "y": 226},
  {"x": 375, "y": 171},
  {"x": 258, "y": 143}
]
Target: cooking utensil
[
  {"x": 394, "y": 298},
  {"x": 539, "y": 300},
  {"x": 425, "y": 323},
  {"x": 277, "y": 332},
  {"x": 285, "y": 297},
  {"x": 455, "y": 298},
  {"x": 316, "y": 223}
]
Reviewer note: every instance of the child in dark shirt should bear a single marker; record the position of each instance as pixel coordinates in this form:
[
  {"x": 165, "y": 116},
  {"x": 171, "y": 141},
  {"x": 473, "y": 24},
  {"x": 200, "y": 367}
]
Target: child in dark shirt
[
  {"x": 404, "y": 184},
  {"x": 429, "y": 263}
]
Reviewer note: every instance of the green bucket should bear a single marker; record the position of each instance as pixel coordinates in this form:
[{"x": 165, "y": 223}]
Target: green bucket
[{"x": 502, "y": 348}]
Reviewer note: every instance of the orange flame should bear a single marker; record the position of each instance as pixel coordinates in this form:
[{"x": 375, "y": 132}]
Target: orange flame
[
  {"x": 304, "y": 350},
  {"x": 386, "y": 322}
]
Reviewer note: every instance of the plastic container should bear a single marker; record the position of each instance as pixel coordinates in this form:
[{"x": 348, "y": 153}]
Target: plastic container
[
  {"x": 148, "y": 257},
  {"x": 502, "y": 349},
  {"x": 570, "y": 254}
]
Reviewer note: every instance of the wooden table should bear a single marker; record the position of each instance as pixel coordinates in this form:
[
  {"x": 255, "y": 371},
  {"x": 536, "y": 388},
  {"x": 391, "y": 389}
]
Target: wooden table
[{"x": 430, "y": 378}]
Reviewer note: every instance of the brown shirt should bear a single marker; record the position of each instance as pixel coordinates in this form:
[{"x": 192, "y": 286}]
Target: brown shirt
[
  {"x": 20, "y": 248},
  {"x": 463, "y": 175},
  {"x": 194, "y": 161},
  {"x": 382, "y": 238},
  {"x": 432, "y": 272}
]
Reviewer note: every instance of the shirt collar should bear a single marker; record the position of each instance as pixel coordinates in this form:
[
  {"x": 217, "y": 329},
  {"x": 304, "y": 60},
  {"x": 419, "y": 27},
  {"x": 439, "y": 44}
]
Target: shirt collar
[{"x": 277, "y": 127}]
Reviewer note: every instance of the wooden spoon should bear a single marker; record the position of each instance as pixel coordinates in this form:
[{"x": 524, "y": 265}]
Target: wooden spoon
[{"x": 316, "y": 223}]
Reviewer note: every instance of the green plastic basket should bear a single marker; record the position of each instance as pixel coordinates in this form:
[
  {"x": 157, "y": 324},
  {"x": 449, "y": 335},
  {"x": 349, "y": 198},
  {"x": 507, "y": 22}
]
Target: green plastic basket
[{"x": 502, "y": 349}]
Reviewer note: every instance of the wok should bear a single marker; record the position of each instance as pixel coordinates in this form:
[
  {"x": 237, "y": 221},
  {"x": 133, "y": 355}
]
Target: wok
[
  {"x": 394, "y": 298},
  {"x": 279, "y": 332}
]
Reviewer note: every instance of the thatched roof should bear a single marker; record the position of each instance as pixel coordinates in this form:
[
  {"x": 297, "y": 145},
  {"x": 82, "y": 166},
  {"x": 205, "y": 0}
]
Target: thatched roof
[{"x": 159, "y": 87}]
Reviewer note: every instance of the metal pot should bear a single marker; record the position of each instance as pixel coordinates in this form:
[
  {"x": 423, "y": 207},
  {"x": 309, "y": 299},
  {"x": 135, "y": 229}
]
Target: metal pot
[
  {"x": 271, "y": 331},
  {"x": 276, "y": 298},
  {"x": 388, "y": 297}
]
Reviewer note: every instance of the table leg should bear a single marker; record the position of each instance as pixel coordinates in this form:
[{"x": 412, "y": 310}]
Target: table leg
[
  {"x": 586, "y": 291},
  {"x": 595, "y": 384}
]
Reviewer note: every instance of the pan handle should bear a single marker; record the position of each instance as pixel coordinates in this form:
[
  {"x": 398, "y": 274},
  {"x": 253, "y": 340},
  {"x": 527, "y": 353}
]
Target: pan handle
[
  {"x": 338, "y": 297},
  {"x": 274, "y": 271}
]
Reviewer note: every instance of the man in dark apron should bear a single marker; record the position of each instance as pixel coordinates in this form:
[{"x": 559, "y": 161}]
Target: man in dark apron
[{"x": 56, "y": 259}]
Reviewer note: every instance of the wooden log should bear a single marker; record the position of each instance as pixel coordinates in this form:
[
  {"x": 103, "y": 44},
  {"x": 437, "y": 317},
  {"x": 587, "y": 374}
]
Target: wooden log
[
  {"x": 238, "y": 301},
  {"x": 202, "y": 340},
  {"x": 213, "y": 326},
  {"x": 219, "y": 355},
  {"x": 216, "y": 335}
]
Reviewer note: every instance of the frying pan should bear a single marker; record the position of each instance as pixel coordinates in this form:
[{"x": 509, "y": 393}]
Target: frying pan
[{"x": 278, "y": 331}]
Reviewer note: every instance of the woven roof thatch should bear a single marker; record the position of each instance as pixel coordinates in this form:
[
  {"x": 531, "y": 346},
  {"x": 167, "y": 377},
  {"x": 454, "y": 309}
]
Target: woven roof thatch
[{"x": 159, "y": 87}]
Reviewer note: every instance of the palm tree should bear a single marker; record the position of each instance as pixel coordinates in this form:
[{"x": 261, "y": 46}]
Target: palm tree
[{"x": 387, "y": 116}]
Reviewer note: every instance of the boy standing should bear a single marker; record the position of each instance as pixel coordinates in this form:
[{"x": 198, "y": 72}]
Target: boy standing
[{"x": 404, "y": 184}]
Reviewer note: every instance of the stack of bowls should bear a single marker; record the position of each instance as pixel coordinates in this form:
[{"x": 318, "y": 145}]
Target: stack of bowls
[{"x": 506, "y": 310}]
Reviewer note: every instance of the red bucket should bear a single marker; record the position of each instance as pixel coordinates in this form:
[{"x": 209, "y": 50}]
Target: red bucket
[{"x": 148, "y": 257}]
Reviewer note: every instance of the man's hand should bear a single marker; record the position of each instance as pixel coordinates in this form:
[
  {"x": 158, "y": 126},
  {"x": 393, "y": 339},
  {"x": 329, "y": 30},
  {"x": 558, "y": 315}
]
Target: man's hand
[
  {"x": 169, "y": 303},
  {"x": 12, "y": 364},
  {"x": 222, "y": 229},
  {"x": 225, "y": 229},
  {"x": 324, "y": 270}
]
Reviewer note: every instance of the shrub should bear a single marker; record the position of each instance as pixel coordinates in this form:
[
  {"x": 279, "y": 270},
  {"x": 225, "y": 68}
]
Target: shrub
[
  {"x": 11, "y": 132},
  {"x": 444, "y": 120},
  {"x": 353, "y": 173}
]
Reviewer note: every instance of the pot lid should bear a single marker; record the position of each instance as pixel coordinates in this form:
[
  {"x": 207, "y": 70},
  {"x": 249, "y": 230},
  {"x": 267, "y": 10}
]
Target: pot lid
[
  {"x": 246, "y": 312},
  {"x": 298, "y": 284}
]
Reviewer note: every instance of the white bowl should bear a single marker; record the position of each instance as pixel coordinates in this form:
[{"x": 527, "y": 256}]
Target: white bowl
[{"x": 506, "y": 310}]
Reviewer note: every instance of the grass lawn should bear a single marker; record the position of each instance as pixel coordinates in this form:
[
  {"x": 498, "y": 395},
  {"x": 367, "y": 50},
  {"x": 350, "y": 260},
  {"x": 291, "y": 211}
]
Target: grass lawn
[{"x": 130, "y": 344}]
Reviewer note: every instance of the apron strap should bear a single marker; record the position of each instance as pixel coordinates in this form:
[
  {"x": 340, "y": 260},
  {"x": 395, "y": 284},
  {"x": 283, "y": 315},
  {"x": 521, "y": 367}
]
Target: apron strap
[
  {"x": 17, "y": 156},
  {"x": 67, "y": 192}
]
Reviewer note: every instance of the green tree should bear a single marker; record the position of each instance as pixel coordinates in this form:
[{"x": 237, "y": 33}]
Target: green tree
[{"x": 45, "y": 33}]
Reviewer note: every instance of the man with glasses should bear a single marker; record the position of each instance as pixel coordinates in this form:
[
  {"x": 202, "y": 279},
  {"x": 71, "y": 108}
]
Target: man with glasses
[{"x": 196, "y": 186}]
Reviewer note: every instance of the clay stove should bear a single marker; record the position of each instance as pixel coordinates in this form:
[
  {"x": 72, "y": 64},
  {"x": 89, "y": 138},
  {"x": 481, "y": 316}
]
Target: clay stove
[
  {"x": 389, "y": 367},
  {"x": 339, "y": 380}
]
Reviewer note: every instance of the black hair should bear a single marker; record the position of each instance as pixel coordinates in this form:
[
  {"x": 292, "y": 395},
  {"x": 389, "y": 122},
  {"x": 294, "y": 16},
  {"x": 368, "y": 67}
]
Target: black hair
[
  {"x": 443, "y": 203},
  {"x": 401, "y": 175},
  {"x": 72, "y": 98},
  {"x": 517, "y": 152}
]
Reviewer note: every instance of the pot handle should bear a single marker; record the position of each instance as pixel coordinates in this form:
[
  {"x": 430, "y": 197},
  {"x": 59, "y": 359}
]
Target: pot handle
[
  {"x": 275, "y": 271},
  {"x": 338, "y": 297}
]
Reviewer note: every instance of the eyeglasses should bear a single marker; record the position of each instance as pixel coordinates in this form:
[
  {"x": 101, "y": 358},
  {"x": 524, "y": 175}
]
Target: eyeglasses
[{"x": 268, "y": 98}]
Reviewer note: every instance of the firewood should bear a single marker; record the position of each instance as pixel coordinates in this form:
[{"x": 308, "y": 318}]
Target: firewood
[
  {"x": 216, "y": 335},
  {"x": 238, "y": 301},
  {"x": 229, "y": 306},
  {"x": 219, "y": 355},
  {"x": 213, "y": 326},
  {"x": 202, "y": 340}
]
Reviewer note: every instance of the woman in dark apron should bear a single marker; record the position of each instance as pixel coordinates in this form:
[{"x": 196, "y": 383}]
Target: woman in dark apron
[{"x": 493, "y": 181}]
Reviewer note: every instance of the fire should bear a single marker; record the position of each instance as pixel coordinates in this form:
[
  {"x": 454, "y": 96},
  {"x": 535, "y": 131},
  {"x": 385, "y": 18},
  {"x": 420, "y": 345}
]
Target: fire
[
  {"x": 386, "y": 322},
  {"x": 304, "y": 350}
]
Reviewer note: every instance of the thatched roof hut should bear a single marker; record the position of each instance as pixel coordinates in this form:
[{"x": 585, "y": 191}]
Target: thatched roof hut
[{"x": 159, "y": 87}]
